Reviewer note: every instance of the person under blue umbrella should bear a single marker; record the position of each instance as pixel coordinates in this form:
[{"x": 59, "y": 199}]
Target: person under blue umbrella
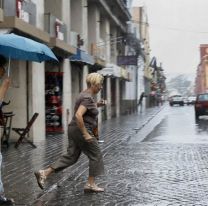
[{"x": 3, "y": 90}]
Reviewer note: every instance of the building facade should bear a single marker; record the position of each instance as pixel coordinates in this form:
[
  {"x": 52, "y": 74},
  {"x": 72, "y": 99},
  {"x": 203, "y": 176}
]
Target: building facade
[
  {"x": 201, "y": 80},
  {"x": 86, "y": 36}
]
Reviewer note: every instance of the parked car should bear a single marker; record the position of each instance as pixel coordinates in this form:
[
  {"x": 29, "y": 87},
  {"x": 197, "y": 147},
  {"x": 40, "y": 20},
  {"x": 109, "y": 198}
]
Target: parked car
[
  {"x": 201, "y": 105},
  {"x": 191, "y": 100},
  {"x": 185, "y": 100},
  {"x": 176, "y": 99}
]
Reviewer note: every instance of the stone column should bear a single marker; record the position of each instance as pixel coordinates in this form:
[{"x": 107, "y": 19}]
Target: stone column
[
  {"x": 37, "y": 99},
  {"x": 84, "y": 75},
  {"x": 108, "y": 98},
  {"x": 67, "y": 94},
  {"x": 99, "y": 109},
  {"x": 117, "y": 97}
]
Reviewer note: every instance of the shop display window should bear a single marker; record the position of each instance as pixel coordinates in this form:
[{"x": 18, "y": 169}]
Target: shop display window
[{"x": 53, "y": 100}]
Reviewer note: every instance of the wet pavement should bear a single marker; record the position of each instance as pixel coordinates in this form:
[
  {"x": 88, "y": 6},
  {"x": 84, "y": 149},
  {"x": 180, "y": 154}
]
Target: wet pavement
[
  {"x": 158, "y": 158},
  {"x": 19, "y": 165}
]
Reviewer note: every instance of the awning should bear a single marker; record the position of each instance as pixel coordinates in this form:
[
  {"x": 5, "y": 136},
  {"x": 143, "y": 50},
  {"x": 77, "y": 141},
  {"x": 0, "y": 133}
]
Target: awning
[
  {"x": 111, "y": 70},
  {"x": 82, "y": 56}
]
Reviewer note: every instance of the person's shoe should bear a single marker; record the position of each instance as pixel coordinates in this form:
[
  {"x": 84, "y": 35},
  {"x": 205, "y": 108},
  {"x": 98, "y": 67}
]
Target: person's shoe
[
  {"x": 6, "y": 201},
  {"x": 40, "y": 177},
  {"x": 92, "y": 188}
]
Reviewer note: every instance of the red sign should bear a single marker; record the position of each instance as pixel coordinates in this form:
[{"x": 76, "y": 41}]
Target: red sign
[{"x": 203, "y": 50}]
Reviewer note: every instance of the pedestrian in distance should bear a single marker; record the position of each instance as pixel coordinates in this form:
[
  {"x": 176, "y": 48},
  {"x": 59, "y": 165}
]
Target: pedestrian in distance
[
  {"x": 3, "y": 90},
  {"x": 81, "y": 137},
  {"x": 140, "y": 103}
]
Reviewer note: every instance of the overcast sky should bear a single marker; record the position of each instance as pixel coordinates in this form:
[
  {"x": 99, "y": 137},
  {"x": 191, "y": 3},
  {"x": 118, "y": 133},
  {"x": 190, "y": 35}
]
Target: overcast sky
[{"x": 177, "y": 28}]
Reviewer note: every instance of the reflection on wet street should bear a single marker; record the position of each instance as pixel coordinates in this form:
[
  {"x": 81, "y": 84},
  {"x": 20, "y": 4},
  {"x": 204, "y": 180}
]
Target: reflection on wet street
[
  {"x": 157, "y": 158},
  {"x": 179, "y": 125},
  {"x": 163, "y": 163}
]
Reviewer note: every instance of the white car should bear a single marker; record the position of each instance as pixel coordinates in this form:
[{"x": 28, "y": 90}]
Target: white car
[
  {"x": 176, "y": 99},
  {"x": 191, "y": 100}
]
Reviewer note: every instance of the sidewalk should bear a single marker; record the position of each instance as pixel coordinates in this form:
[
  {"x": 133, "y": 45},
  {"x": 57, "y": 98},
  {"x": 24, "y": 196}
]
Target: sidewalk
[{"x": 19, "y": 164}]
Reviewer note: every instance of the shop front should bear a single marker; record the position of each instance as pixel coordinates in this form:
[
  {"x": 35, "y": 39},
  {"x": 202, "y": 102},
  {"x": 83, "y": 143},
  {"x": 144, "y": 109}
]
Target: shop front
[{"x": 111, "y": 90}]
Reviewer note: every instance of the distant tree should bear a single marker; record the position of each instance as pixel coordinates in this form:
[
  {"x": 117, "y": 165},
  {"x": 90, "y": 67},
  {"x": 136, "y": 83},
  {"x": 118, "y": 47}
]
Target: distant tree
[{"x": 181, "y": 84}]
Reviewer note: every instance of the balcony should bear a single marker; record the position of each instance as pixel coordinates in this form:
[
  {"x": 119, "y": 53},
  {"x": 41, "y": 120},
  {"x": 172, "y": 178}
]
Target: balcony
[
  {"x": 134, "y": 42},
  {"x": 115, "y": 10},
  {"x": 99, "y": 52},
  {"x": 58, "y": 34},
  {"x": 55, "y": 27},
  {"x": 24, "y": 10},
  {"x": 20, "y": 17}
]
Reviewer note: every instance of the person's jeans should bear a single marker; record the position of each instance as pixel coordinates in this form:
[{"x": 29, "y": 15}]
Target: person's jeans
[{"x": 1, "y": 184}]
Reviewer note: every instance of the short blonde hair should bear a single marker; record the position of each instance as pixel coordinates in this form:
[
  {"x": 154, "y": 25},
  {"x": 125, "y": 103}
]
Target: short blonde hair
[{"x": 94, "y": 79}]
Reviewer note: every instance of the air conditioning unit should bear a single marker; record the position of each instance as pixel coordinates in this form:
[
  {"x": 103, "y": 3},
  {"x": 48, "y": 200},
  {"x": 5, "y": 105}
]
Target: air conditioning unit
[{"x": 73, "y": 38}]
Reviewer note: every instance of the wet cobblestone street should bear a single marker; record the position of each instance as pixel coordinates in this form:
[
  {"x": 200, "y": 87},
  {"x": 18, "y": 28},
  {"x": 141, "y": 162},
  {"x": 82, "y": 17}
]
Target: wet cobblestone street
[
  {"x": 144, "y": 174},
  {"x": 139, "y": 171}
]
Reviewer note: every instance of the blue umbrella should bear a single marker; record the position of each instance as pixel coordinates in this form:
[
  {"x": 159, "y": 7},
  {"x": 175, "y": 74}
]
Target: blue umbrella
[{"x": 17, "y": 47}]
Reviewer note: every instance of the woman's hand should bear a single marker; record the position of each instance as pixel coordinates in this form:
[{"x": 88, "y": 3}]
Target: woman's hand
[
  {"x": 88, "y": 137},
  {"x": 101, "y": 103},
  {"x": 4, "y": 87}
]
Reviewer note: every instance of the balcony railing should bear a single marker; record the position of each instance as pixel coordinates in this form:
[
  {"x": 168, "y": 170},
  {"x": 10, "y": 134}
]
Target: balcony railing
[
  {"x": 55, "y": 27},
  {"x": 99, "y": 50},
  {"x": 25, "y": 10}
]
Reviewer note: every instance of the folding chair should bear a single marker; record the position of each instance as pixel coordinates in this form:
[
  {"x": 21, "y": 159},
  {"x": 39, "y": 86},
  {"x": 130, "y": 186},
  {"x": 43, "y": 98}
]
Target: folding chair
[{"x": 24, "y": 131}]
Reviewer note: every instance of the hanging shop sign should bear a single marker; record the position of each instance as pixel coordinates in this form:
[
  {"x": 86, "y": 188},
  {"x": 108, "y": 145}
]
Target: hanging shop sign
[
  {"x": 203, "y": 50},
  {"x": 126, "y": 60}
]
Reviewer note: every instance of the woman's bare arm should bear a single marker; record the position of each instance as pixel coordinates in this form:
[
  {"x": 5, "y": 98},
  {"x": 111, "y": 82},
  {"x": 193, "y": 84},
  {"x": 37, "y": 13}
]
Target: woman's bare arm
[
  {"x": 4, "y": 87},
  {"x": 79, "y": 119}
]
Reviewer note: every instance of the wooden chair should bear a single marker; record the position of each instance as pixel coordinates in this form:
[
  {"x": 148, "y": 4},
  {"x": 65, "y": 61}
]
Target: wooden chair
[{"x": 24, "y": 131}]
